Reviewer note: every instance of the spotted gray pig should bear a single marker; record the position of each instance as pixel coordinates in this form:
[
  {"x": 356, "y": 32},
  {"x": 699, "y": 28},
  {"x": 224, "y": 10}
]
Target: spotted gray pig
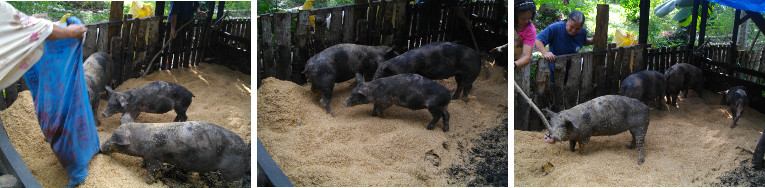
[
  {"x": 194, "y": 146},
  {"x": 437, "y": 60},
  {"x": 602, "y": 116},
  {"x": 736, "y": 99},
  {"x": 156, "y": 97},
  {"x": 681, "y": 77},
  {"x": 98, "y": 73},
  {"x": 340, "y": 63},
  {"x": 646, "y": 86},
  {"x": 407, "y": 90}
]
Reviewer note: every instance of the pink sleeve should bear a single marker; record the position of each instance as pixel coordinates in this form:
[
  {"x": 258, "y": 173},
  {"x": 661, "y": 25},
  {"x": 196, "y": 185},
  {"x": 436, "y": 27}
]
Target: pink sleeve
[{"x": 528, "y": 34}]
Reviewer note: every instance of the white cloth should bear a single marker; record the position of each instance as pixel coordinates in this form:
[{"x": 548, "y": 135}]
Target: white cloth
[{"x": 21, "y": 39}]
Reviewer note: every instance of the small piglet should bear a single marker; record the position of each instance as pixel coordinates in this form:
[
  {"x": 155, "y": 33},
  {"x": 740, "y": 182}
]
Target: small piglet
[
  {"x": 340, "y": 63},
  {"x": 194, "y": 146},
  {"x": 736, "y": 99},
  {"x": 407, "y": 90},
  {"x": 156, "y": 97},
  {"x": 603, "y": 116}
]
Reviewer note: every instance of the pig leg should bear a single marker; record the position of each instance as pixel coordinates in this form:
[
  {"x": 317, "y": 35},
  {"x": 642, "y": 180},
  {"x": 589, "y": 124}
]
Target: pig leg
[
  {"x": 436, "y": 113},
  {"x": 445, "y": 116},
  {"x": 572, "y": 145},
  {"x": 379, "y": 106},
  {"x": 181, "y": 111},
  {"x": 326, "y": 97},
  {"x": 460, "y": 87},
  {"x": 128, "y": 117},
  {"x": 467, "y": 88},
  {"x": 737, "y": 113},
  {"x": 638, "y": 138},
  {"x": 152, "y": 168}
]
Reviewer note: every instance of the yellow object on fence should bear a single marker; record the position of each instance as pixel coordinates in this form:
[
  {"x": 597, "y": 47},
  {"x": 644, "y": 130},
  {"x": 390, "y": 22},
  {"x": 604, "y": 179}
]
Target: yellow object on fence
[
  {"x": 308, "y": 5},
  {"x": 140, "y": 10},
  {"x": 63, "y": 18},
  {"x": 622, "y": 38}
]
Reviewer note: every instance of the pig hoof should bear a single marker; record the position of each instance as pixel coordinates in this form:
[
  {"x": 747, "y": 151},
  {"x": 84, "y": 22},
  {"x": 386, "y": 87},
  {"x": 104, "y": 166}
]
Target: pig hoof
[
  {"x": 431, "y": 126},
  {"x": 640, "y": 161}
]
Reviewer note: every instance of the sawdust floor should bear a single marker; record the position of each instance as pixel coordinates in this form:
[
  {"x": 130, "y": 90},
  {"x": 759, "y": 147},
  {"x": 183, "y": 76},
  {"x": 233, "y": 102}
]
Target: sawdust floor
[
  {"x": 689, "y": 146},
  {"x": 222, "y": 98},
  {"x": 354, "y": 148}
]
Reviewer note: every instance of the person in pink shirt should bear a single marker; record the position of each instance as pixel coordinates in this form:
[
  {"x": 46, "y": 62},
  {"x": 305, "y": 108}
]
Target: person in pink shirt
[{"x": 525, "y": 32}]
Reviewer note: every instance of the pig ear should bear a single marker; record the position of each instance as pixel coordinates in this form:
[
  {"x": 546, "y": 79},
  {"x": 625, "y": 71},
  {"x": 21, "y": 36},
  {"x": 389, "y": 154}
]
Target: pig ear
[
  {"x": 549, "y": 112},
  {"x": 359, "y": 78},
  {"x": 123, "y": 101},
  {"x": 109, "y": 89}
]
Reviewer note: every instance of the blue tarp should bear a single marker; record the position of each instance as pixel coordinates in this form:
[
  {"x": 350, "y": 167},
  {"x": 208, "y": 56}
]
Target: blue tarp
[
  {"x": 750, "y": 5},
  {"x": 57, "y": 84}
]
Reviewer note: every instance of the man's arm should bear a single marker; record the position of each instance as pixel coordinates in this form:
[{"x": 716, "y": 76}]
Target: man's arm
[
  {"x": 72, "y": 31},
  {"x": 549, "y": 56}
]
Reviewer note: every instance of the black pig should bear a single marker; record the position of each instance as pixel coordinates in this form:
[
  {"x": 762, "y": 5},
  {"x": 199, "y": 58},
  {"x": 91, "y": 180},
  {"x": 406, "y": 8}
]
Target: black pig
[
  {"x": 407, "y": 90},
  {"x": 340, "y": 63},
  {"x": 759, "y": 151},
  {"x": 681, "y": 77},
  {"x": 647, "y": 85},
  {"x": 98, "y": 73},
  {"x": 605, "y": 115},
  {"x": 736, "y": 99},
  {"x": 437, "y": 60},
  {"x": 194, "y": 146},
  {"x": 156, "y": 97}
]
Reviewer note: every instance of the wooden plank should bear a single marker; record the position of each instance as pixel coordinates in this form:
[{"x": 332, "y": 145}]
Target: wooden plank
[
  {"x": 348, "y": 24},
  {"x": 574, "y": 81},
  {"x": 400, "y": 24},
  {"x": 387, "y": 26},
  {"x": 617, "y": 76},
  {"x": 587, "y": 75},
  {"x": 125, "y": 48},
  {"x": 91, "y": 41},
  {"x": 265, "y": 48},
  {"x": 283, "y": 37},
  {"x": 625, "y": 63},
  {"x": 153, "y": 34},
  {"x": 117, "y": 59},
  {"x": 335, "y": 26},
  {"x": 103, "y": 38},
  {"x": 543, "y": 84},
  {"x": 320, "y": 35},
  {"x": 558, "y": 86},
  {"x": 302, "y": 32},
  {"x": 638, "y": 64},
  {"x": 521, "y": 116},
  {"x": 372, "y": 23},
  {"x": 610, "y": 78},
  {"x": 379, "y": 21}
]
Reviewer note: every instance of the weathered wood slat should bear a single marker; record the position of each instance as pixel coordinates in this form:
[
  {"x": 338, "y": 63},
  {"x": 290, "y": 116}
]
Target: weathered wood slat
[
  {"x": 638, "y": 63},
  {"x": 335, "y": 27},
  {"x": 387, "y": 26},
  {"x": 127, "y": 48},
  {"x": 283, "y": 45},
  {"x": 559, "y": 76},
  {"x": 587, "y": 75},
  {"x": 574, "y": 81},
  {"x": 379, "y": 21},
  {"x": 400, "y": 24},
  {"x": 153, "y": 34},
  {"x": 91, "y": 41},
  {"x": 522, "y": 110},
  {"x": 626, "y": 64},
  {"x": 543, "y": 84},
  {"x": 616, "y": 79},
  {"x": 320, "y": 35},
  {"x": 612, "y": 71},
  {"x": 301, "y": 44},
  {"x": 348, "y": 24},
  {"x": 103, "y": 39}
]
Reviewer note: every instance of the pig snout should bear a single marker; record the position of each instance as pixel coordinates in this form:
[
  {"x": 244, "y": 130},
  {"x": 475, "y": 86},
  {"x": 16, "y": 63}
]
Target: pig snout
[{"x": 549, "y": 140}]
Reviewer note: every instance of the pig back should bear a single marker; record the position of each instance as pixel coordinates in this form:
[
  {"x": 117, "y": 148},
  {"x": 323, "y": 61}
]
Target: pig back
[{"x": 608, "y": 115}]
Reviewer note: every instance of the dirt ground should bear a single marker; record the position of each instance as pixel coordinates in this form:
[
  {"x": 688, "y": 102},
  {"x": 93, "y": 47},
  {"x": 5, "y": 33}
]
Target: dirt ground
[
  {"x": 690, "y": 146},
  {"x": 356, "y": 149},
  {"x": 222, "y": 98}
]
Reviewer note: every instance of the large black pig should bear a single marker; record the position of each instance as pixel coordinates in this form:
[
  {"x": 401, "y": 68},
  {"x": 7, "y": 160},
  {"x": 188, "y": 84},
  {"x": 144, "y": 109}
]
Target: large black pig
[
  {"x": 437, "y": 60},
  {"x": 340, "y": 63},
  {"x": 759, "y": 151},
  {"x": 681, "y": 77},
  {"x": 407, "y": 90},
  {"x": 736, "y": 99},
  {"x": 156, "y": 97},
  {"x": 603, "y": 116},
  {"x": 98, "y": 73},
  {"x": 194, "y": 146},
  {"x": 646, "y": 86}
]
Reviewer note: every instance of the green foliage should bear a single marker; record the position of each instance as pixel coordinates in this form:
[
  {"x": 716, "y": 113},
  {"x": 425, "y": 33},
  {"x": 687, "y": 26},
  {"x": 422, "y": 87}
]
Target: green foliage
[
  {"x": 87, "y": 11},
  {"x": 631, "y": 9}
]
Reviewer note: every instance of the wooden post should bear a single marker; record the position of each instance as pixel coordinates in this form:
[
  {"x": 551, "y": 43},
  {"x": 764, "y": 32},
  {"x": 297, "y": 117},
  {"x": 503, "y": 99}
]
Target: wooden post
[
  {"x": 600, "y": 40},
  {"x": 692, "y": 26},
  {"x": 91, "y": 41},
  {"x": 704, "y": 16},
  {"x": 266, "y": 46},
  {"x": 573, "y": 83},
  {"x": 522, "y": 110},
  {"x": 221, "y": 9},
  {"x": 587, "y": 75},
  {"x": 731, "y": 59},
  {"x": 348, "y": 24},
  {"x": 335, "y": 29},
  {"x": 115, "y": 14},
  {"x": 302, "y": 32},
  {"x": 645, "y": 5}
]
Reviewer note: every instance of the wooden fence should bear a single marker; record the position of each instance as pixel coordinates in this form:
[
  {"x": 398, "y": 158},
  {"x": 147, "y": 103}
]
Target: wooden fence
[{"x": 286, "y": 40}]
